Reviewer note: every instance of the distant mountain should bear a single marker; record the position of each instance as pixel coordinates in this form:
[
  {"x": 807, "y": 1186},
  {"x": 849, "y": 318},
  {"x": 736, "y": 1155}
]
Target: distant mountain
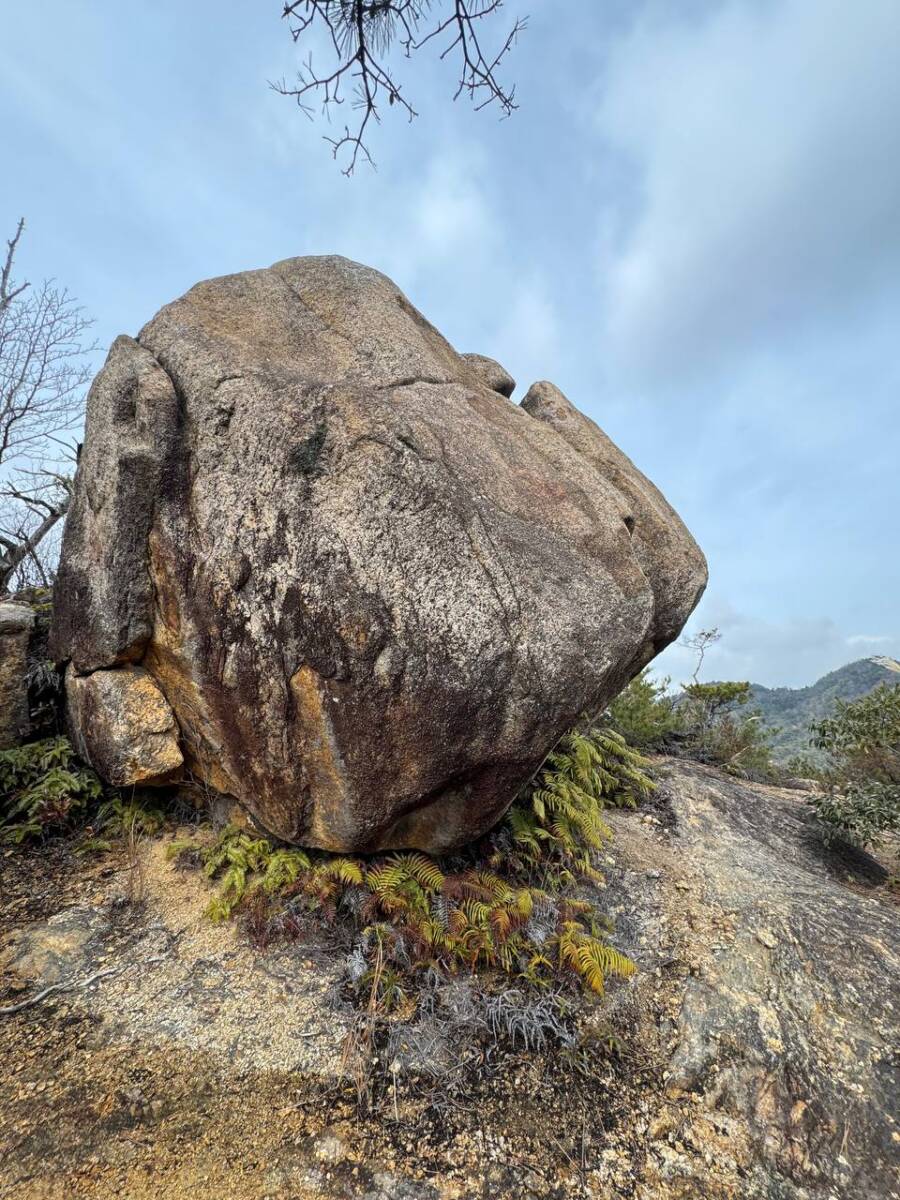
[{"x": 791, "y": 710}]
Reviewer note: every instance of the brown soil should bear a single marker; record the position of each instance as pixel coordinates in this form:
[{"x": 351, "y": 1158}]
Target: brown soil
[{"x": 108, "y": 1098}]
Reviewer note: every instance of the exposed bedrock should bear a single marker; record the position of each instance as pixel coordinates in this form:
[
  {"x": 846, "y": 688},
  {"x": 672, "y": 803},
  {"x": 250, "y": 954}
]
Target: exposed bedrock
[{"x": 371, "y": 588}]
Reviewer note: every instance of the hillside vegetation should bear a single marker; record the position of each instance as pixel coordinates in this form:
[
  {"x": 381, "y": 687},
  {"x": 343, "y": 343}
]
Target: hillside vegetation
[{"x": 789, "y": 712}]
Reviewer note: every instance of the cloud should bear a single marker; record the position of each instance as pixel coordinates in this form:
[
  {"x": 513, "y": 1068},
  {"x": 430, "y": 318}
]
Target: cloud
[
  {"x": 791, "y": 652},
  {"x": 765, "y": 140},
  {"x": 528, "y": 334},
  {"x": 449, "y": 206}
]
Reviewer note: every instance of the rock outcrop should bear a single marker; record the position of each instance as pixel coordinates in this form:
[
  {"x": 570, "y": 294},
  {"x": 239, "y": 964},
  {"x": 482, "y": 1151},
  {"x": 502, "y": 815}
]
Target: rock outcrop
[
  {"x": 16, "y": 624},
  {"x": 124, "y": 724},
  {"x": 769, "y": 968},
  {"x": 372, "y": 590}
]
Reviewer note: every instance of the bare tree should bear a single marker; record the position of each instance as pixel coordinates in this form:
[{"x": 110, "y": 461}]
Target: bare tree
[
  {"x": 29, "y": 523},
  {"x": 43, "y": 370},
  {"x": 361, "y": 35},
  {"x": 700, "y": 642}
]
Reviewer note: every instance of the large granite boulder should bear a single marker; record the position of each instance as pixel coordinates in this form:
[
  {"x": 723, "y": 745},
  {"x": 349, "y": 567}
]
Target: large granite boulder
[{"x": 372, "y": 589}]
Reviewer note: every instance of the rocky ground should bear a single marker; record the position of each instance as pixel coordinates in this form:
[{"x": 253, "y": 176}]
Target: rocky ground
[{"x": 750, "y": 1056}]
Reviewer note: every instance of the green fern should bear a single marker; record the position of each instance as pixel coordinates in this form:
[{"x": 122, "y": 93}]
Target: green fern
[
  {"x": 126, "y": 815},
  {"x": 344, "y": 871},
  {"x": 234, "y": 858},
  {"x": 478, "y": 915},
  {"x": 560, "y": 816},
  {"x": 283, "y": 868},
  {"x": 43, "y": 787},
  {"x": 591, "y": 958}
]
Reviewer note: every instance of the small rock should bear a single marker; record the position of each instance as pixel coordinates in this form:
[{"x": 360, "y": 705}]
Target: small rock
[{"x": 330, "y": 1148}]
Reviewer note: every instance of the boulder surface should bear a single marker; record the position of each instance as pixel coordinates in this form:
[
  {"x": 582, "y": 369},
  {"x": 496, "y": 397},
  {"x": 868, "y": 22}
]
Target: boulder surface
[
  {"x": 16, "y": 624},
  {"x": 127, "y": 724},
  {"x": 372, "y": 589}
]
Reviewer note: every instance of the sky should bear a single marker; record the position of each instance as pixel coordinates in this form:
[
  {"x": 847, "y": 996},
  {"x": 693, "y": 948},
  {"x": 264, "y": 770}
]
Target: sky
[{"x": 691, "y": 225}]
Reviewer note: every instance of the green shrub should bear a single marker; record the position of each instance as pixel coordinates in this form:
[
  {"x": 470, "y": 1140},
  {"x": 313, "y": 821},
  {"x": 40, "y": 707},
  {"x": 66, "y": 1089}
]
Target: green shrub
[
  {"x": 498, "y": 905},
  {"x": 43, "y": 788},
  {"x": 804, "y": 766},
  {"x": 740, "y": 745},
  {"x": 706, "y": 703},
  {"x": 645, "y": 713},
  {"x": 716, "y": 730},
  {"x": 863, "y": 735},
  {"x": 858, "y": 811},
  {"x": 861, "y": 797},
  {"x": 706, "y": 722}
]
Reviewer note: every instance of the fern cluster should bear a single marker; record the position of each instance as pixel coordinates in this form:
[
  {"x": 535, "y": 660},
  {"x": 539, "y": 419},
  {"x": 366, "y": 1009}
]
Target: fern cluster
[
  {"x": 499, "y": 908},
  {"x": 130, "y": 815},
  {"x": 560, "y": 816},
  {"x": 249, "y": 866},
  {"x": 468, "y": 918},
  {"x": 43, "y": 787}
]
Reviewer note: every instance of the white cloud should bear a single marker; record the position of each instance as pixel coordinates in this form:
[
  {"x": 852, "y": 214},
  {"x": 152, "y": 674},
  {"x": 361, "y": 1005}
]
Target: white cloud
[
  {"x": 449, "y": 206},
  {"x": 791, "y": 652},
  {"x": 767, "y": 142}
]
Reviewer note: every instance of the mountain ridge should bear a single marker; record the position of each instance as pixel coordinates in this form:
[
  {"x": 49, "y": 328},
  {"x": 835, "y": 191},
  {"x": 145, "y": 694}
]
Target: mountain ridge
[{"x": 789, "y": 711}]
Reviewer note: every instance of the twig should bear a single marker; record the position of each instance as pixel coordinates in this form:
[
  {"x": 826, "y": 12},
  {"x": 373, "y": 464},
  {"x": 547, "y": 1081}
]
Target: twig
[
  {"x": 68, "y": 986},
  {"x": 8, "y": 294},
  {"x": 361, "y": 34}
]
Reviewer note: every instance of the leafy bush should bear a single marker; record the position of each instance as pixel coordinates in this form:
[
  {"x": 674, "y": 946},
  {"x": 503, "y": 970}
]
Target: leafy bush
[
  {"x": 804, "y": 766},
  {"x": 863, "y": 736},
  {"x": 498, "y": 905},
  {"x": 706, "y": 703},
  {"x": 715, "y": 730},
  {"x": 43, "y": 788},
  {"x": 645, "y": 713},
  {"x": 858, "y": 811},
  {"x": 861, "y": 797},
  {"x": 706, "y": 722}
]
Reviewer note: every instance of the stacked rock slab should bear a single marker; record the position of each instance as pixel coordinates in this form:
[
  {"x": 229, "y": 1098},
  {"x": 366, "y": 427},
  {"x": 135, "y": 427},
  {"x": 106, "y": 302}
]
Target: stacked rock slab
[
  {"x": 16, "y": 624},
  {"x": 370, "y": 589}
]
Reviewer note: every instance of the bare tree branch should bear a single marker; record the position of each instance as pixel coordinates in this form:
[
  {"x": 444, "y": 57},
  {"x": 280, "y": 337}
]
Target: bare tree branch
[
  {"x": 361, "y": 34},
  {"x": 7, "y": 292},
  {"x": 42, "y": 375},
  {"x": 67, "y": 985},
  {"x": 27, "y": 521}
]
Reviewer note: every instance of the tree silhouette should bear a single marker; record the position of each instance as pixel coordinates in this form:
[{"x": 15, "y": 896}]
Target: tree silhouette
[{"x": 362, "y": 34}]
